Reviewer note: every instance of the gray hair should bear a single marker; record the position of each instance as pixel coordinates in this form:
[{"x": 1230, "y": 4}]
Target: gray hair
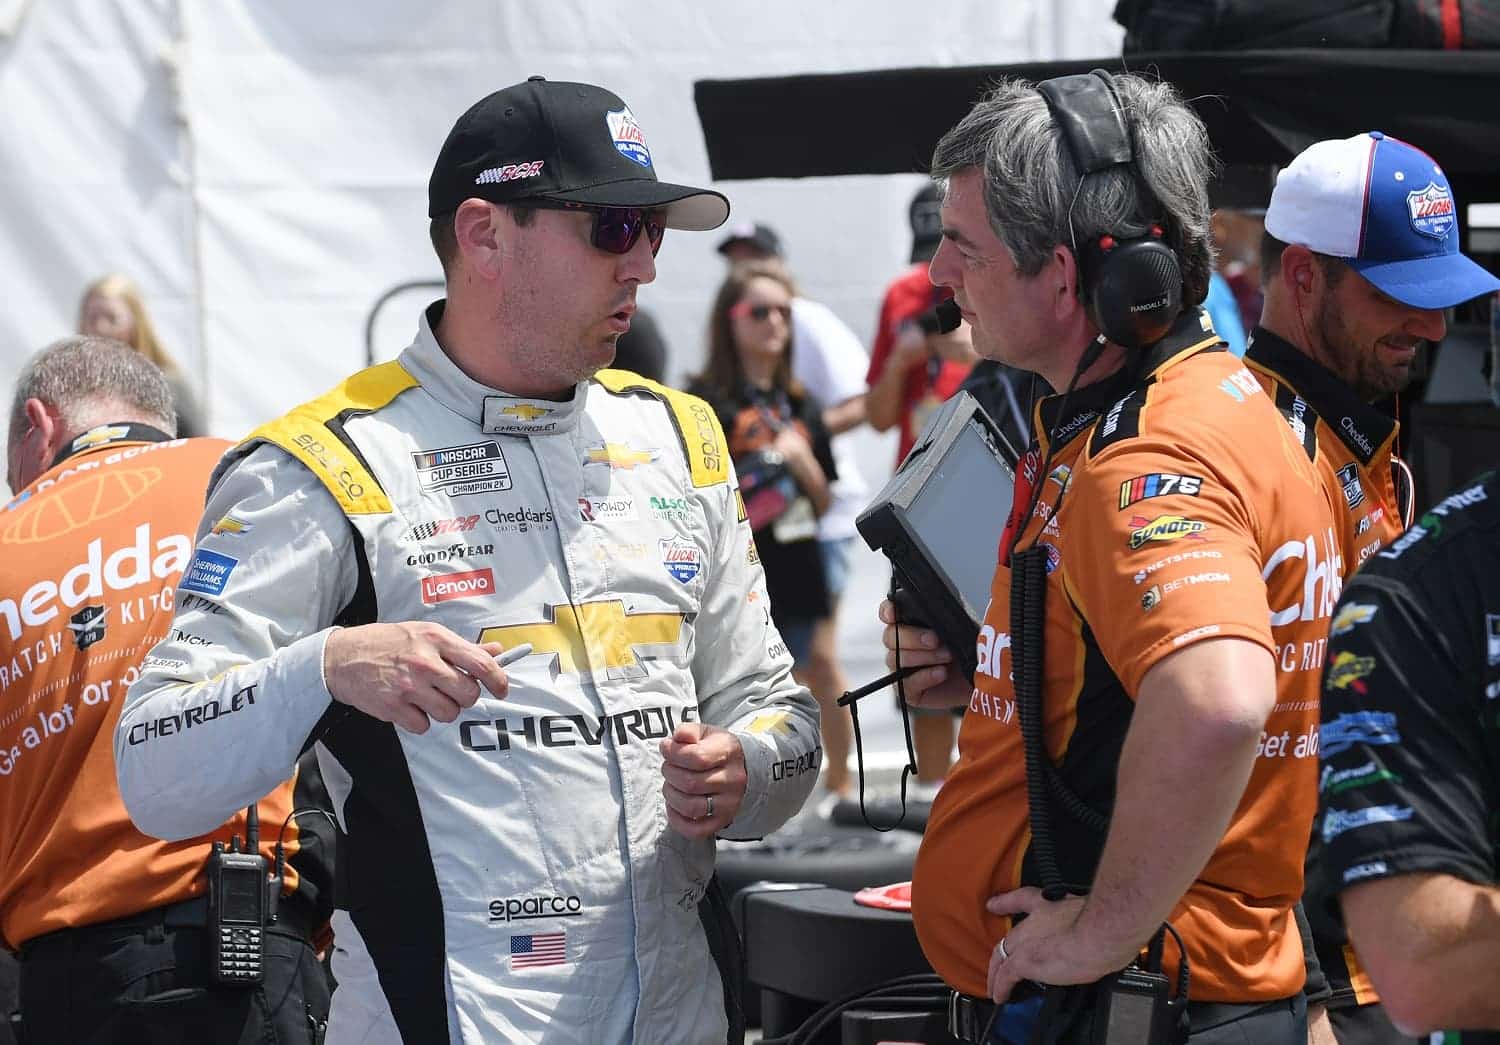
[
  {"x": 1030, "y": 180},
  {"x": 90, "y": 381}
]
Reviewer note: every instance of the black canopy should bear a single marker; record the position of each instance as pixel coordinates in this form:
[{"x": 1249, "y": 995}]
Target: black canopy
[{"x": 1260, "y": 108}]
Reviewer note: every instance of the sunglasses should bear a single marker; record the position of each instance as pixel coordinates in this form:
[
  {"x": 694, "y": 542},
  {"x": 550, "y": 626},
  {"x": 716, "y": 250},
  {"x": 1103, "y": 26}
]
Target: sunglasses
[
  {"x": 616, "y": 229},
  {"x": 761, "y": 313}
]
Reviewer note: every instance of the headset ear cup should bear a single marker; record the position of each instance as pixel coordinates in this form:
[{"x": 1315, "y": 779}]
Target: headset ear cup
[{"x": 1135, "y": 290}]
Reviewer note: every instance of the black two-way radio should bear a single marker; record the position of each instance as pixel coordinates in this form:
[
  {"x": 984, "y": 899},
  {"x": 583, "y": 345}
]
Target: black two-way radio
[{"x": 239, "y": 899}]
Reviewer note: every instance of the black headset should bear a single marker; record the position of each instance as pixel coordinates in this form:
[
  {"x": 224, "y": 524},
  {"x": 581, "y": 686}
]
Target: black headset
[{"x": 1132, "y": 286}]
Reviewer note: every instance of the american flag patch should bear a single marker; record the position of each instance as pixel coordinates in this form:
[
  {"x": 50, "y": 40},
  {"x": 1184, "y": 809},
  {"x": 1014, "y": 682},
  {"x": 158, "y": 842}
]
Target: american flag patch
[{"x": 531, "y": 950}]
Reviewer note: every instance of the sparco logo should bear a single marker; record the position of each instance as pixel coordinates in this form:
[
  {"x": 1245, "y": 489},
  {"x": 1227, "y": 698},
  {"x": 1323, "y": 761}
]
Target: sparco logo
[
  {"x": 643, "y": 724},
  {"x": 524, "y": 908},
  {"x": 708, "y": 440},
  {"x": 423, "y": 531},
  {"x": 458, "y": 586},
  {"x": 455, "y": 551}
]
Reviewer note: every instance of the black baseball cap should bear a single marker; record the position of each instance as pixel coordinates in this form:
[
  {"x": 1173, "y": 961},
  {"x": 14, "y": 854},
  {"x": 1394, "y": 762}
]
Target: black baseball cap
[
  {"x": 572, "y": 142},
  {"x": 762, "y": 237}
]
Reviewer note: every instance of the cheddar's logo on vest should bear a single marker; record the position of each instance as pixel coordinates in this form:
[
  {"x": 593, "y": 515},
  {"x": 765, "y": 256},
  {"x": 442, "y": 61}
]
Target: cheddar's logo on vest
[
  {"x": 1164, "y": 528},
  {"x": 121, "y": 569},
  {"x": 1322, "y": 579}
]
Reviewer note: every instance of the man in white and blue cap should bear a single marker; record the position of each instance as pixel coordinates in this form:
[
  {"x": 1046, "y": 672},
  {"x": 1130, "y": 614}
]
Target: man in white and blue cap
[{"x": 1359, "y": 261}]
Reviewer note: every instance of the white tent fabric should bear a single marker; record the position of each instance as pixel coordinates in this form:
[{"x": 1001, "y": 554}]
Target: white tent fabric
[{"x": 259, "y": 167}]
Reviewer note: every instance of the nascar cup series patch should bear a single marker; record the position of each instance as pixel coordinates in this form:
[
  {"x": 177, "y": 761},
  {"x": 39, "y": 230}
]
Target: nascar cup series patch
[{"x": 628, "y": 137}]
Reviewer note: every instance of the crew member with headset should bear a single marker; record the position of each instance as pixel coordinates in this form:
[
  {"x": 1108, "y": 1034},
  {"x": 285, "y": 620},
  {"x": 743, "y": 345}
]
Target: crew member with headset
[
  {"x": 113, "y": 927},
  {"x": 1359, "y": 258},
  {"x": 1128, "y": 743}
]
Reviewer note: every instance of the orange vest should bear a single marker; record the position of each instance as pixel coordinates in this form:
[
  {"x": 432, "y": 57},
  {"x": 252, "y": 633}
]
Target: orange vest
[
  {"x": 90, "y": 555},
  {"x": 1187, "y": 512}
]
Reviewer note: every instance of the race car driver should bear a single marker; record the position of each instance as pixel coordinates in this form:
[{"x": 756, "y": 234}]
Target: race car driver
[{"x": 529, "y": 852}]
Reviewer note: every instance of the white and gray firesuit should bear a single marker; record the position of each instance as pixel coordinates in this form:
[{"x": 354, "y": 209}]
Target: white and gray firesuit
[{"x": 509, "y": 876}]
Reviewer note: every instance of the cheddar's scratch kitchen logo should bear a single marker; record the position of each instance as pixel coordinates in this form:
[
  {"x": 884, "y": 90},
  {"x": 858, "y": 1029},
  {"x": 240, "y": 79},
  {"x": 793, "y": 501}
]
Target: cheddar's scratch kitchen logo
[{"x": 1164, "y": 528}]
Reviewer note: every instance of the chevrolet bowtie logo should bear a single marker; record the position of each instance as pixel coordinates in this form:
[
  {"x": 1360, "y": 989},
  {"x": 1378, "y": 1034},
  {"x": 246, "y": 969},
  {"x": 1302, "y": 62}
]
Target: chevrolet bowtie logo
[
  {"x": 618, "y": 455},
  {"x": 525, "y": 411},
  {"x": 600, "y": 636},
  {"x": 102, "y": 434},
  {"x": 229, "y": 524},
  {"x": 778, "y": 722}
]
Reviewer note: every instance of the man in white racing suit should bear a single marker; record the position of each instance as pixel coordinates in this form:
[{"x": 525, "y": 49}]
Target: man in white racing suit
[{"x": 526, "y": 849}]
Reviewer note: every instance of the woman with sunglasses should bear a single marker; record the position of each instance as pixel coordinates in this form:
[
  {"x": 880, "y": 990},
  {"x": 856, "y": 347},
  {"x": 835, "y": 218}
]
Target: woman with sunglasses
[{"x": 781, "y": 450}]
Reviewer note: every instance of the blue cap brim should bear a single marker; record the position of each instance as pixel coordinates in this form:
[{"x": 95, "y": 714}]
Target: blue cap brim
[{"x": 1430, "y": 283}]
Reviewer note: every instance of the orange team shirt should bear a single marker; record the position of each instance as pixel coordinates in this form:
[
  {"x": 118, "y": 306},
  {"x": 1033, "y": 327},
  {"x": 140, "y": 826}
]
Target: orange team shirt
[
  {"x": 90, "y": 555},
  {"x": 908, "y": 296},
  {"x": 1188, "y": 512},
  {"x": 1352, "y": 442},
  {"x": 1352, "y": 445}
]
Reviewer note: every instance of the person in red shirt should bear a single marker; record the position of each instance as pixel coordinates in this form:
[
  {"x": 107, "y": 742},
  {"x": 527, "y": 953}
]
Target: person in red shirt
[
  {"x": 911, "y": 373},
  {"x": 112, "y": 926},
  {"x": 1173, "y": 538}
]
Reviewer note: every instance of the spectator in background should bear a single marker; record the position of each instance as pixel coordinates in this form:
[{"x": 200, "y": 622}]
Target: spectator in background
[
  {"x": 1237, "y": 235},
  {"x": 910, "y": 374},
  {"x": 829, "y": 362},
  {"x": 1224, "y": 311},
  {"x": 776, "y": 437},
  {"x": 112, "y": 307},
  {"x": 111, "y": 925}
]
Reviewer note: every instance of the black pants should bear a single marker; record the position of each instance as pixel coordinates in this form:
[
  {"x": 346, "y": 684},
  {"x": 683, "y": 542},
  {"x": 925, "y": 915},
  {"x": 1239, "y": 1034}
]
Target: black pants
[
  {"x": 143, "y": 981},
  {"x": 1272, "y": 1023}
]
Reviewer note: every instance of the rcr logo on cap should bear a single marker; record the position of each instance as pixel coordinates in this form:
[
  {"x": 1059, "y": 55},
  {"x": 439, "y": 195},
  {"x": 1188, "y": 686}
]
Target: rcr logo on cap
[{"x": 510, "y": 172}]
